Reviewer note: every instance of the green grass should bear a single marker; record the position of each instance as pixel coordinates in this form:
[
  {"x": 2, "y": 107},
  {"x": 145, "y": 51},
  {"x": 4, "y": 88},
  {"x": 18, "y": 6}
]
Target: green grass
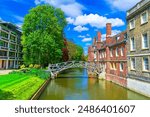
[{"x": 21, "y": 86}]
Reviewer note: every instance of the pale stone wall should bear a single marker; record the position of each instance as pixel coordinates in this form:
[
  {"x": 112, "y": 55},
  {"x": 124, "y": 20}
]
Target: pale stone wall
[
  {"x": 102, "y": 75},
  {"x": 139, "y": 86}
]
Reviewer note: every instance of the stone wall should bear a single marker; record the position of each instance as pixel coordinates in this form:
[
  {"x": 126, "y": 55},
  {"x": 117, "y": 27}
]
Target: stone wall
[{"x": 139, "y": 86}]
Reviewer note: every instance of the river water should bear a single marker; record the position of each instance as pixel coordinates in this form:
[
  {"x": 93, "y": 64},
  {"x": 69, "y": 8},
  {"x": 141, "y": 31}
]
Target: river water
[{"x": 74, "y": 84}]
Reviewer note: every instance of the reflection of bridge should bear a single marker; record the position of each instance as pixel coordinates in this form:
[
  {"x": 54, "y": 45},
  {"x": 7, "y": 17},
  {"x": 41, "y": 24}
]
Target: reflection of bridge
[{"x": 58, "y": 67}]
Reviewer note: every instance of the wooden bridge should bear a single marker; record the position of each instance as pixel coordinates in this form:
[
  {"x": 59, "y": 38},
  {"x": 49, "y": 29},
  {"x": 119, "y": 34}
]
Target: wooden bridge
[{"x": 55, "y": 69}]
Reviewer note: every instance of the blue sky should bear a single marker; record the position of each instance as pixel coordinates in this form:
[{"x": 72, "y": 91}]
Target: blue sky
[{"x": 85, "y": 17}]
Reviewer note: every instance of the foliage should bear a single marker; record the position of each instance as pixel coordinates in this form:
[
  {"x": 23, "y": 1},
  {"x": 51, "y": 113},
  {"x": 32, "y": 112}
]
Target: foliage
[
  {"x": 75, "y": 51},
  {"x": 42, "y": 38},
  {"x": 22, "y": 66},
  {"x": 37, "y": 66},
  {"x": 31, "y": 66}
]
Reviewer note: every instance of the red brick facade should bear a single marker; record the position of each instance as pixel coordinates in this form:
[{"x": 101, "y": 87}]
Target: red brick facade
[{"x": 111, "y": 54}]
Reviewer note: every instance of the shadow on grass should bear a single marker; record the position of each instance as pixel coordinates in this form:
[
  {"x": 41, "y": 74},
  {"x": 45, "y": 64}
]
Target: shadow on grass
[{"x": 6, "y": 95}]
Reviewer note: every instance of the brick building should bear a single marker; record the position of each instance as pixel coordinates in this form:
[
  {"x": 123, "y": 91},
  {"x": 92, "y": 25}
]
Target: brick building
[
  {"x": 111, "y": 54},
  {"x": 138, "y": 29}
]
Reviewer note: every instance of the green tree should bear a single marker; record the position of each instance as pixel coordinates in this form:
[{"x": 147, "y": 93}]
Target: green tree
[
  {"x": 75, "y": 51},
  {"x": 42, "y": 38}
]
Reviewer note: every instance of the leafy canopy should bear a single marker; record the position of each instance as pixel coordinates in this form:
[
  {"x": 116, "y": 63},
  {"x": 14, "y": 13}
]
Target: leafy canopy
[{"x": 42, "y": 38}]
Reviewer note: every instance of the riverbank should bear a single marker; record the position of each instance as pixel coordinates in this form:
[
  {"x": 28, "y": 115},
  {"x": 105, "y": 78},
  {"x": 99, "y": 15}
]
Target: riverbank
[{"x": 21, "y": 85}]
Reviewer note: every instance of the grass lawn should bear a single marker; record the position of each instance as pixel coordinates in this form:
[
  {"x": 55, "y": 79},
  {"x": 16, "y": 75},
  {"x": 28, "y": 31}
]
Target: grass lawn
[{"x": 21, "y": 86}]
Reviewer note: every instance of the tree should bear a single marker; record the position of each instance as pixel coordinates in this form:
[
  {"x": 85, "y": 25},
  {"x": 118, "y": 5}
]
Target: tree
[
  {"x": 75, "y": 51},
  {"x": 42, "y": 38}
]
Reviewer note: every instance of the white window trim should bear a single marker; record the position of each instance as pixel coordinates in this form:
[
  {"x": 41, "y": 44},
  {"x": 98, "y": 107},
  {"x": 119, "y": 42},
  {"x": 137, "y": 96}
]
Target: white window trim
[
  {"x": 111, "y": 52},
  {"x": 121, "y": 69},
  {"x": 117, "y": 53},
  {"x": 130, "y": 24},
  {"x": 146, "y": 15},
  {"x": 131, "y": 48},
  {"x": 115, "y": 67},
  {"x": 143, "y": 64},
  {"x": 121, "y": 51},
  {"x": 143, "y": 41},
  {"x": 131, "y": 63}
]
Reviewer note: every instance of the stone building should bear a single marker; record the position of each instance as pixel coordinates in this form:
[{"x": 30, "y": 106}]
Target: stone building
[
  {"x": 111, "y": 55},
  {"x": 10, "y": 46},
  {"x": 138, "y": 29}
]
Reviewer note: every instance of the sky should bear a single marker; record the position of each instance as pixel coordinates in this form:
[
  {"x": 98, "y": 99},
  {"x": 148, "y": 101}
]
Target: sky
[{"x": 85, "y": 17}]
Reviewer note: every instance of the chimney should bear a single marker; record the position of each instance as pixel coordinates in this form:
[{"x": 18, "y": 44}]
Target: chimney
[
  {"x": 98, "y": 40},
  {"x": 99, "y": 36},
  {"x": 108, "y": 33}
]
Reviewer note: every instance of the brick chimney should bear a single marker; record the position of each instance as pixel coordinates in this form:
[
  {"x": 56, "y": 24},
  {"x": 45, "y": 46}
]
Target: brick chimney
[
  {"x": 108, "y": 33},
  {"x": 98, "y": 40}
]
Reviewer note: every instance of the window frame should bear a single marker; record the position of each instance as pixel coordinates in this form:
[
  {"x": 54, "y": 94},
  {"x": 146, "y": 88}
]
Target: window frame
[
  {"x": 131, "y": 44},
  {"x": 143, "y": 66},
  {"x": 142, "y": 46},
  {"x": 146, "y": 17},
  {"x": 122, "y": 51},
  {"x": 117, "y": 51},
  {"x": 133, "y": 24},
  {"x": 131, "y": 63},
  {"x": 121, "y": 66}
]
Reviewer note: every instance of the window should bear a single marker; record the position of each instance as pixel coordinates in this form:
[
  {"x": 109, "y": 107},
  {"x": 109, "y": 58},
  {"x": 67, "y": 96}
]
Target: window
[
  {"x": 121, "y": 66},
  {"x": 122, "y": 51},
  {"x": 145, "y": 64},
  {"x": 111, "y": 66},
  {"x": 111, "y": 53},
  {"x": 144, "y": 17},
  {"x": 114, "y": 66},
  {"x": 100, "y": 56},
  {"x": 144, "y": 41},
  {"x": 117, "y": 38},
  {"x": 3, "y": 34},
  {"x": 125, "y": 36},
  {"x": 132, "y": 44},
  {"x": 132, "y": 24},
  {"x": 94, "y": 55},
  {"x": 133, "y": 63},
  {"x": 117, "y": 51}
]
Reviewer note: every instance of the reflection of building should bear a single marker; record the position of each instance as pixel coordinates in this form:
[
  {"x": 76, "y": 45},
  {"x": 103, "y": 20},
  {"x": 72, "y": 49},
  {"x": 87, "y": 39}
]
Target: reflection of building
[
  {"x": 10, "y": 45},
  {"x": 138, "y": 20},
  {"x": 111, "y": 54}
]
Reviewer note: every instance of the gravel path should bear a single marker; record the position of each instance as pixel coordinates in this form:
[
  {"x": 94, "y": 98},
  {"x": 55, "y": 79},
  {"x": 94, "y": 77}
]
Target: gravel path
[{"x": 3, "y": 72}]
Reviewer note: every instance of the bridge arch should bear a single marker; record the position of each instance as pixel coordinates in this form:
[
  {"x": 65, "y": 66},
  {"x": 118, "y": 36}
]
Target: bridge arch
[{"x": 55, "y": 69}]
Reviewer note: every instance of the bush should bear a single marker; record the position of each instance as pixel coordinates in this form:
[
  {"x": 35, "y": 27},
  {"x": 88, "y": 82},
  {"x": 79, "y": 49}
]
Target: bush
[
  {"x": 37, "y": 66},
  {"x": 22, "y": 66},
  {"x": 40, "y": 73},
  {"x": 31, "y": 66}
]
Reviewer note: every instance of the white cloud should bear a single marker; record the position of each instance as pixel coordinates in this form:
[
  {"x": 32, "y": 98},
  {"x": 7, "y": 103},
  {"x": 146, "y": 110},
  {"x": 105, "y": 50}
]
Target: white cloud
[
  {"x": 19, "y": 25},
  {"x": 70, "y": 7},
  {"x": 81, "y": 36},
  {"x": 122, "y": 5},
  {"x": 95, "y": 20},
  {"x": 86, "y": 39},
  {"x": 80, "y": 28},
  {"x": 19, "y": 18},
  {"x": 70, "y": 20}
]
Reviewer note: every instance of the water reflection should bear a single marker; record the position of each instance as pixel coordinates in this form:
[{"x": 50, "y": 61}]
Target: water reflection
[{"x": 74, "y": 84}]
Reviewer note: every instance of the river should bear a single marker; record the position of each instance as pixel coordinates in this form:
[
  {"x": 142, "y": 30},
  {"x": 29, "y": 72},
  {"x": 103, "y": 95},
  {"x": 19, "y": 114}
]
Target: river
[{"x": 74, "y": 84}]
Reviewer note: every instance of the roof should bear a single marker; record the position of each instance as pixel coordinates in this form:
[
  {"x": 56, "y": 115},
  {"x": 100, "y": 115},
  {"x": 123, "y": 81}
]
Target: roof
[
  {"x": 115, "y": 40},
  {"x": 11, "y": 25}
]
